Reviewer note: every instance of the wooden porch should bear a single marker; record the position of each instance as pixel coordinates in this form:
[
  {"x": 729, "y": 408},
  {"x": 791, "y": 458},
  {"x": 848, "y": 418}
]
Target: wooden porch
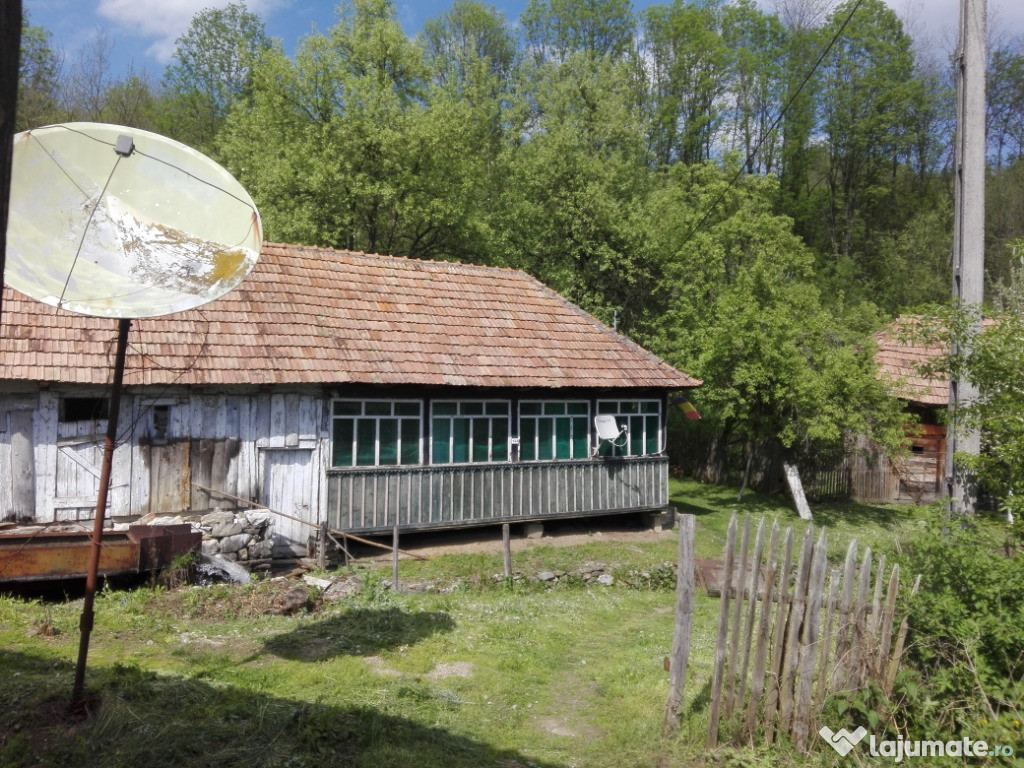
[{"x": 373, "y": 500}]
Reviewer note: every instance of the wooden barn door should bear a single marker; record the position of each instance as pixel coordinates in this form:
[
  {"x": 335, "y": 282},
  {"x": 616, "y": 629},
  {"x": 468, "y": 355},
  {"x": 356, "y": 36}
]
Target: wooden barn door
[
  {"x": 17, "y": 500},
  {"x": 79, "y": 456},
  {"x": 287, "y": 484}
]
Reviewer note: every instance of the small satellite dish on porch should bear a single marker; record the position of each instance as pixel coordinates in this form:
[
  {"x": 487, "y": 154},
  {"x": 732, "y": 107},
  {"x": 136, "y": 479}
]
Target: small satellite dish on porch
[
  {"x": 607, "y": 428},
  {"x": 119, "y": 222}
]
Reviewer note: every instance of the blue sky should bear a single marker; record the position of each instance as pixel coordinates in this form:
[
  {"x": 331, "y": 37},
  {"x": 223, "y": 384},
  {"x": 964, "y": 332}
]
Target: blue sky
[{"x": 144, "y": 31}]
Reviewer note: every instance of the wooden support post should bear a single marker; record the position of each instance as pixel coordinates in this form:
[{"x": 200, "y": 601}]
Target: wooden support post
[
  {"x": 506, "y": 548},
  {"x": 92, "y": 575},
  {"x": 684, "y": 620},
  {"x": 322, "y": 552},
  {"x": 345, "y": 556},
  {"x": 394, "y": 558}
]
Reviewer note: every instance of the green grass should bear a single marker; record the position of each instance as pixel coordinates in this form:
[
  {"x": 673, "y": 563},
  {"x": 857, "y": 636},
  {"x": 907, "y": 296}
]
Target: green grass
[{"x": 554, "y": 677}]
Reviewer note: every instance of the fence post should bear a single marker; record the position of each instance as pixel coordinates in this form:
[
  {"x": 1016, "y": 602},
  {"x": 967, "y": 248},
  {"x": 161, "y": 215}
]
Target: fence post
[
  {"x": 723, "y": 633},
  {"x": 394, "y": 558},
  {"x": 764, "y": 624},
  {"x": 506, "y": 548},
  {"x": 684, "y": 620}
]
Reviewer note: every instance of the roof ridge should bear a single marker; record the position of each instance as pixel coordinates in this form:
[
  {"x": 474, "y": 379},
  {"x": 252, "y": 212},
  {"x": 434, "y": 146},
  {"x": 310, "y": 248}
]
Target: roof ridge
[{"x": 393, "y": 257}]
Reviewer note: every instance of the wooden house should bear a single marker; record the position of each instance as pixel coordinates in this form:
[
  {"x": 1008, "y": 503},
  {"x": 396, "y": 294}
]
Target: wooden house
[{"x": 356, "y": 389}]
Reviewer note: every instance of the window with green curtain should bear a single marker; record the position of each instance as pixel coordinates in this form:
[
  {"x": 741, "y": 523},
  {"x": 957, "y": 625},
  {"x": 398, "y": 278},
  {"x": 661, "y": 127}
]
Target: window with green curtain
[
  {"x": 366, "y": 442},
  {"x": 643, "y": 418},
  {"x": 441, "y": 431},
  {"x": 554, "y": 430},
  {"x": 343, "y": 434},
  {"x": 369, "y": 433},
  {"x": 387, "y": 438},
  {"x": 464, "y": 431},
  {"x": 527, "y": 439}
]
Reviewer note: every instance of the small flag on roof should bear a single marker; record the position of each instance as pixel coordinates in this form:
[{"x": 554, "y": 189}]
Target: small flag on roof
[{"x": 686, "y": 407}]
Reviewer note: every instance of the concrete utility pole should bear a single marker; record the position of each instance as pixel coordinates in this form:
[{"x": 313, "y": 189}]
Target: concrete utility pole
[{"x": 968, "y": 235}]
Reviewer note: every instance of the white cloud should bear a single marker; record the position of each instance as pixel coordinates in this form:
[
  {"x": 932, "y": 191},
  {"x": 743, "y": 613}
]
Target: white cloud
[{"x": 164, "y": 21}]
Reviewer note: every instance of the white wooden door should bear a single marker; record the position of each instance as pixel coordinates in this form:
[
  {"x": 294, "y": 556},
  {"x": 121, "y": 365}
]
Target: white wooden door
[{"x": 288, "y": 485}]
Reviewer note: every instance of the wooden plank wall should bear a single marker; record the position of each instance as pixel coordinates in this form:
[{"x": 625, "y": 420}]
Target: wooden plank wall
[{"x": 49, "y": 470}]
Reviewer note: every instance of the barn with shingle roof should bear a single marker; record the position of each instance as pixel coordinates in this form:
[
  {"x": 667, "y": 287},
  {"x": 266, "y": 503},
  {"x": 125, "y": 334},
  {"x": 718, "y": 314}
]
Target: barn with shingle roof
[{"x": 339, "y": 387}]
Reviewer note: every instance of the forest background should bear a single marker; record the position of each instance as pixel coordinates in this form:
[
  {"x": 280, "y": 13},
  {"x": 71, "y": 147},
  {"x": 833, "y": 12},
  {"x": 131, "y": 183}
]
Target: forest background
[{"x": 751, "y": 195}]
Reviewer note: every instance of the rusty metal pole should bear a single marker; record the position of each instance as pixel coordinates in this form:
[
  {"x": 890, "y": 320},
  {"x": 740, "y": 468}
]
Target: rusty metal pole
[{"x": 85, "y": 625}]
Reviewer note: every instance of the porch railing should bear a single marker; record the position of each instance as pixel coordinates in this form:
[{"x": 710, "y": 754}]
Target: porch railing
[{"x": 374, "y": 499}]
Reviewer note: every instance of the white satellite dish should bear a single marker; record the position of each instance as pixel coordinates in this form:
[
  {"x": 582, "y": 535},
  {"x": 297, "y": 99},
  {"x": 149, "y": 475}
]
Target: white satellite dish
[
  {"x": 607, "y": 428},
  {"x": 118, "y": 222}
]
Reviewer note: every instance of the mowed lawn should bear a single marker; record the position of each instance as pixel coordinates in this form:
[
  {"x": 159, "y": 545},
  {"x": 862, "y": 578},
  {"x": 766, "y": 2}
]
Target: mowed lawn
[{"x": 475, "y": 673}]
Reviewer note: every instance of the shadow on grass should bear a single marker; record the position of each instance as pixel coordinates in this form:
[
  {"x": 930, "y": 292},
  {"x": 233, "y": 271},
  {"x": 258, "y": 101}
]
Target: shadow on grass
[
  {"x": 141, "y": 718},
  {"x": 887, "y": 517},
  {"x": 694, "y": 498},
  {"x": 361, "y": 631}
]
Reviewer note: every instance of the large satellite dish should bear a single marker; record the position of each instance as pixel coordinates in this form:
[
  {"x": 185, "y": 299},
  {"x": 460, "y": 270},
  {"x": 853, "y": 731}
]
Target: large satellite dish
[
  {"x": 122, "y": 223},
  {"x": 118, "y": 222}
]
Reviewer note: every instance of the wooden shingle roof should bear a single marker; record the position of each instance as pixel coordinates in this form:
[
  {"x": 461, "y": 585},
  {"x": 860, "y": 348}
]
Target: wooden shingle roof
[
  {"x": 900, "y": 362},
  {"x": 319, "y": 316}
]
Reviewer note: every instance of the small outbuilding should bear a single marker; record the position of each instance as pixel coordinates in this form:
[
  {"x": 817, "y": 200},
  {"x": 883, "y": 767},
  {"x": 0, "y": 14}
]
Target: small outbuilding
[
  {"x": 361, "y": 390},
  {"x": 919, "y": 477}
]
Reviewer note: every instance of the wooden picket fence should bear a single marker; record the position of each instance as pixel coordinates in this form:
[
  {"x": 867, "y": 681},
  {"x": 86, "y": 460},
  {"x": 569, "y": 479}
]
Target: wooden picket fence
[{"x": 792, "y": 631}]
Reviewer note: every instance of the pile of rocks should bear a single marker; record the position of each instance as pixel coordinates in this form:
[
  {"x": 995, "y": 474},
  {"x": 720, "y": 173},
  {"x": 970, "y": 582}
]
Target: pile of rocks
[{"x": 238, "y": 536}]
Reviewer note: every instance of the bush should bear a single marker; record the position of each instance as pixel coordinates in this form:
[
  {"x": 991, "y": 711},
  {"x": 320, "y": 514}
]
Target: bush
[{"x": 966, "y": 649}]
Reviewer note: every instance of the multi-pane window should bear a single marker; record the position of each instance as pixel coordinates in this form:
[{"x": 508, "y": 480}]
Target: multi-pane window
[
  {"x": 464, "y": 431},
  {"x": 554, "y": 430},
  {"x": 642, "y": 419},
  {"x": 371, "y": 433}
]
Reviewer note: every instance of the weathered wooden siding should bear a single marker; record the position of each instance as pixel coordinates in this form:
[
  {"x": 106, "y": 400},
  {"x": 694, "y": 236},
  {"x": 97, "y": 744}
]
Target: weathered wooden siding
[
  {"x": 368, "y": 500},
  {"x": 49, "y": 470}
]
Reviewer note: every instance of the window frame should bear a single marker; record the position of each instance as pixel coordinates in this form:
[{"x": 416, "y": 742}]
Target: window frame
[
  {"x": 376, "y": 419},
  {"x": 484, "y": 402},
  {"x": 620, "y": 414},
  {"x": 571, "y": 417}
]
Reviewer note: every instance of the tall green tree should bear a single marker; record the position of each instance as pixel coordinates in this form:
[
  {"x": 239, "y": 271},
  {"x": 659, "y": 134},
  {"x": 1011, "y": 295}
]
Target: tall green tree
[
  {"x": 868, "y": 86},
  {"x": 756, "y": 42},
  {"x": 555, "y": 29},
  {"x": 347, "y": 147},
  {"x": 211, "y": 70},
  {"x": 1005, "y": 99},
  {"x": 576, "y": 178},
  {"x": 688, "y": 63},
  {"x": 469, "y": 43},
  {"x": 39, "y": 79},
  {"x": 742, "y": 312}
]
